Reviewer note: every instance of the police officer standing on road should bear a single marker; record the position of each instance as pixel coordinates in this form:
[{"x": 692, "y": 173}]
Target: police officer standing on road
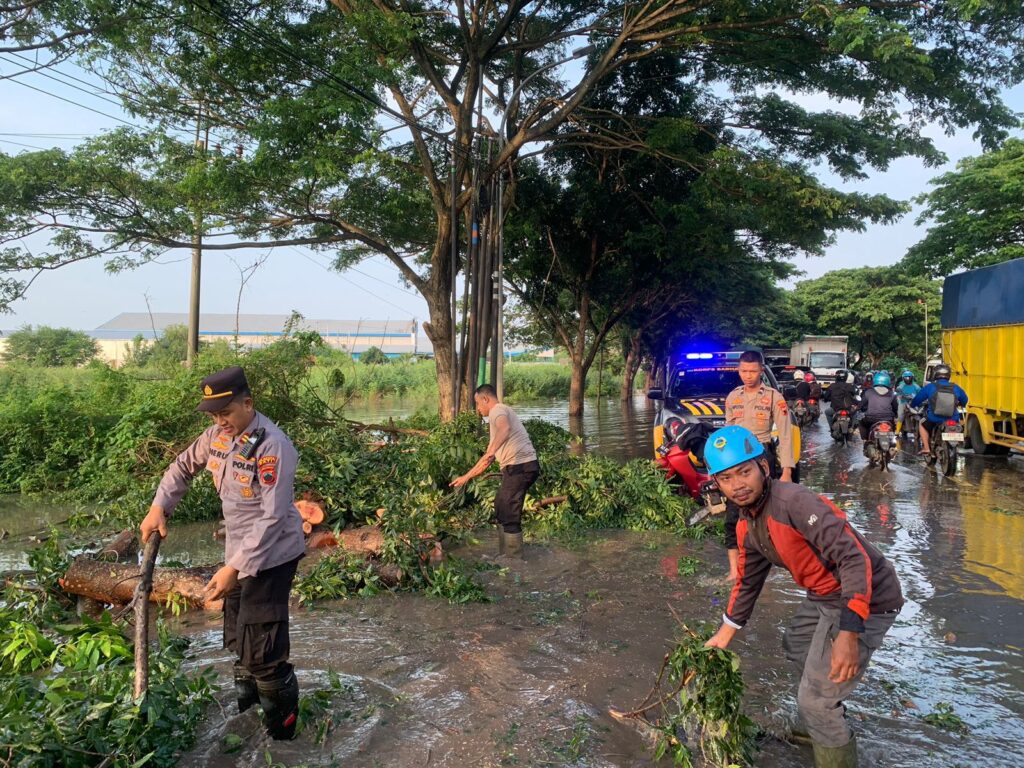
[
  {"x": 252, "y": 464},
  {"x": 760, "y": 409},
  {"x": 511, "y": 446}
]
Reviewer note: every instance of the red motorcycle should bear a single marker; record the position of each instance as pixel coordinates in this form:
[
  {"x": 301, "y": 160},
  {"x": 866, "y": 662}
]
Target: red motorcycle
[{"x": 681, "y": 458}]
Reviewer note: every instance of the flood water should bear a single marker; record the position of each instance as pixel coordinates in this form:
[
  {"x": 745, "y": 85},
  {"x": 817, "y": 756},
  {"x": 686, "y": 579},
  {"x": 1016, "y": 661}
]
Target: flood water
[{"x": 527, "y": 679}]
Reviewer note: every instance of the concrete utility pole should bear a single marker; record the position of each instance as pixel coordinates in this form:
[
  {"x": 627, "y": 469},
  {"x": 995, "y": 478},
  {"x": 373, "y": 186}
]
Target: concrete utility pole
[{"x": 197, "y": 256}]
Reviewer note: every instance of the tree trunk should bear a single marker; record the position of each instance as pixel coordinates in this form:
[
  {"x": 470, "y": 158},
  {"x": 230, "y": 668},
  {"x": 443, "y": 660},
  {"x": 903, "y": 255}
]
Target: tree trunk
[
  {"x": 115, "y": 582},
  {"x": 631, "y": 367},
  {"x": 577, "y": 388}
]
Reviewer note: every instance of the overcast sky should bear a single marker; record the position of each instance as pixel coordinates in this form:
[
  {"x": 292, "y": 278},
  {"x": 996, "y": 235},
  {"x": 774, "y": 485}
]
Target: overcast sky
[{"x": 83, "y": 296}]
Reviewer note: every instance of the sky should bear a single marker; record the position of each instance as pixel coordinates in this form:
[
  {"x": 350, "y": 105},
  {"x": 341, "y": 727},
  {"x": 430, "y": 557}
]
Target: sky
[{"x": 84, "y": 296}]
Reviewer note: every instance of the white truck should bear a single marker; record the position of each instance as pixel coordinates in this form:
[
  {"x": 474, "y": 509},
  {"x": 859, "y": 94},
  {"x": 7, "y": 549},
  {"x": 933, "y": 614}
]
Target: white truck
[{"x": 824, "y": 355}]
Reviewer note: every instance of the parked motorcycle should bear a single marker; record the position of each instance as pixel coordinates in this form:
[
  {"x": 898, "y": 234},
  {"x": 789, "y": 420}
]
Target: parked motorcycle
[
  {"x": 946, "y": 437},
  {"x": 842, "y": 427},
  {"x": 881, "y": 445}
]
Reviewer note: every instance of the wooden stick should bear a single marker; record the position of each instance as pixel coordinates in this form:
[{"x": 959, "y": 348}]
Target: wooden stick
[{"x": 141, "y": 600}]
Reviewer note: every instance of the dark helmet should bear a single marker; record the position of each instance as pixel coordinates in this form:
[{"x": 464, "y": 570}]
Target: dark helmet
[
  {"x": 941, "y": 371},
  {"x": 841, "y": 376}
]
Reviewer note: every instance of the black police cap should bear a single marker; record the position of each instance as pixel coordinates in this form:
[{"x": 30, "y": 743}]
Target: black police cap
[{"x": 221, "y": 388}]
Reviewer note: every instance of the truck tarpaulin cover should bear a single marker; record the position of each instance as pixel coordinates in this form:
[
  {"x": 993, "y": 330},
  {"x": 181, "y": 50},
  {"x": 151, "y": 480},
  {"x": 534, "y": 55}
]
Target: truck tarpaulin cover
[{"x": 987, "y": 296}]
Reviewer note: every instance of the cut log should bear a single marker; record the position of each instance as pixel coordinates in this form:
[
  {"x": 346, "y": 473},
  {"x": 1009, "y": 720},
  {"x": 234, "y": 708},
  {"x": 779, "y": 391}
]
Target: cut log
[
  {"x": 307, "y": 527},
  {"x": 116, "y": 582},
  {"x": 124, "y": 546},
  {"x": 310, "y": 511}
]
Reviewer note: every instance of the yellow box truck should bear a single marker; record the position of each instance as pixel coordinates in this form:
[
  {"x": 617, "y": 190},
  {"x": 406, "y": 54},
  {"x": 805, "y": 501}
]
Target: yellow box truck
[{"x": 983, "y": 343}]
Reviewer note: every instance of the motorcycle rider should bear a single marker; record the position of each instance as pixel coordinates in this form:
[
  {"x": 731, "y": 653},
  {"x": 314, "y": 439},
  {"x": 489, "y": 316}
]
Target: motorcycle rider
[
  {"x": 803, "y": 388},
  {"x": 907, "y": 389},
  {"x": 878, "y": 403},
  {"x": 934, "y": 393},
  {"x": 840, "y": 397},
  {"x": 814, "y": 392}
]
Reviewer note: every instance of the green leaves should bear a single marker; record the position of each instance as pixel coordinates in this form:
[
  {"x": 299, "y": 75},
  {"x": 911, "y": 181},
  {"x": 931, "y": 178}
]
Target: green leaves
[{"x": 977, "y": 214}]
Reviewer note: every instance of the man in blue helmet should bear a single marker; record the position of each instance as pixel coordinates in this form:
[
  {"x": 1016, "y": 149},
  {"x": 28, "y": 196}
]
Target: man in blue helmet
[
  {"x": 853, "y": 593},
  {"x": 906, "y": 390},
  {"x": 942, "y": 397}
]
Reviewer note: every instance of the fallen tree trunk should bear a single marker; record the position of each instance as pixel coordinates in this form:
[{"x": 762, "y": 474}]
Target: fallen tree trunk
[
  {"x": 116, "y": 582},
  {"x": 122, "y": 547}
]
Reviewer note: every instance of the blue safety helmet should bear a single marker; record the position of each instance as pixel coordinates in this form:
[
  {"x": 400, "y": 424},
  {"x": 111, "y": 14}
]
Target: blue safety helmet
[
  {"x": 730, "y": 447},
  {"x": 907, "y": 375},
  {"x": 882, "y": 379}
]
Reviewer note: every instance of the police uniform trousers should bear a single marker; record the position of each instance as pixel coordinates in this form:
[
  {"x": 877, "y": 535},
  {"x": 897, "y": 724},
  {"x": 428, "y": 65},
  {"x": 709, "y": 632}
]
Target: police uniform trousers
[
  {"x": 808, "y": 644},
  {"x": 256, "y": 622},
  {"x": 508, "y": 503}
]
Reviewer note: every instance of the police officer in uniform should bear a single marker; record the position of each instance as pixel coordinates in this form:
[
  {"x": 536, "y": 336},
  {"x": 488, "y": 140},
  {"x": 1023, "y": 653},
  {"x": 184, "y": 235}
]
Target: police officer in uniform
[
  {"x": 759, "y": 408},
  {"x": 252, "y": 464}
]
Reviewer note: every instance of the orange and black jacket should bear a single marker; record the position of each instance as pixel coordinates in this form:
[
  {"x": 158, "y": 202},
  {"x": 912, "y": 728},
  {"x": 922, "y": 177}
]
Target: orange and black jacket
[{"x": 810, "y": 537}]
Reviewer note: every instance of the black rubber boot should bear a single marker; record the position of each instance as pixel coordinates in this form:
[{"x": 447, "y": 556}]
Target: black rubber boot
[
  {"x": 280, "y": 702},
  {"x": 245, "y": 688}
]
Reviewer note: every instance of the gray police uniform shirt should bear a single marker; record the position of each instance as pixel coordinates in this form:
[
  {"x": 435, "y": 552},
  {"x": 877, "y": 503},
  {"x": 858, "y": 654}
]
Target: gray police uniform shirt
[{"x": 263, "y": 526}]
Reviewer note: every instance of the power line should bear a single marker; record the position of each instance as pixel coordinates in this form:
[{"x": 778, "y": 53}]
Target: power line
[
  {"x": 334, "y": 272},
  {"x": 19, "y": 144},
  {"x": 75, "y": 103}
]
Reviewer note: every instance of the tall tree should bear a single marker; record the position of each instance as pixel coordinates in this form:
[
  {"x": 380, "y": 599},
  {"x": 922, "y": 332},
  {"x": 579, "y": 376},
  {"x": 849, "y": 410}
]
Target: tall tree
[
  {"x": 348, "y": 113},
  {"x": 977, "y": 213},
  {"x": 881, "y": 309}
]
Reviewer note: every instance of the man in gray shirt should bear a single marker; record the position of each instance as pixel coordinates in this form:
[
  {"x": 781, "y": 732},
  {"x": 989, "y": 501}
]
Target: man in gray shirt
[
  {"x": 511, "y": 446},
  {"x": 252, "y": 464}
]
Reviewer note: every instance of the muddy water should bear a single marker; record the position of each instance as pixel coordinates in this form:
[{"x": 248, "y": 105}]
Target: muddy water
[
  {"x": 23, "y": 524},
  {"x": 527, "y": 680}
]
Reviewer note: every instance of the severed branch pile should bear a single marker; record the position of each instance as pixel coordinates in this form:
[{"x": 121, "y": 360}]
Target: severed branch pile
[{"x": 694, "y": 708}]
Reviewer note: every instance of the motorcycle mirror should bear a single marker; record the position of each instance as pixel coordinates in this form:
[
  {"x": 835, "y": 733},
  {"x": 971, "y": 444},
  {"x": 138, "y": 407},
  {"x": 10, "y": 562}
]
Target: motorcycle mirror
[{"x": 655, "y": 394}]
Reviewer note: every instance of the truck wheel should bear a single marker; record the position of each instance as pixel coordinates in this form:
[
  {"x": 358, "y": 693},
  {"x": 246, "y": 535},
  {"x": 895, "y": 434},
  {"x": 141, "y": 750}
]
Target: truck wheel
[{"x": 981, "y": 448}]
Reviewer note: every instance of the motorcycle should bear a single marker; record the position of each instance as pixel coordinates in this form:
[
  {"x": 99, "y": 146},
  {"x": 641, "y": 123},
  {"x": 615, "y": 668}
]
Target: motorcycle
[
  {"x": 945, "y": 437},
  {"x": 842, "y": 427},
  {"x": 682, "y": 459},
  {"x": 813, "y": 410},
  {"x": 881, "y": 445},
  {"x": 800, "y": 413},
  {"x": 908, "y": 427}
]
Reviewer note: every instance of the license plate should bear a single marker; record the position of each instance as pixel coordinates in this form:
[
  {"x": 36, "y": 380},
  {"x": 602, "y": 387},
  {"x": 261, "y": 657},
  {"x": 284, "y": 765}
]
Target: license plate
[{"x": 953, "y": 437}]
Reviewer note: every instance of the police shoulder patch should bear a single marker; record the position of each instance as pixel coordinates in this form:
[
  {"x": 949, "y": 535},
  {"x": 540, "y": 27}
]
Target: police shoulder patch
[{"x": 267, "y": 470}]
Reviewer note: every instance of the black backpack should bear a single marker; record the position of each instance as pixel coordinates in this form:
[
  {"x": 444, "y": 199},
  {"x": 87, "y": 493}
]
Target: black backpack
[{"x": 942, "y": 403}]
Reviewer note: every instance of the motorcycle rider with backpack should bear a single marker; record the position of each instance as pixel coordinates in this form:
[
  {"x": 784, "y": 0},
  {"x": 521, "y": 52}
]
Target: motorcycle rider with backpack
[
  {"x": 942, "y": 397},
  {"x": 840, "y": 397}
]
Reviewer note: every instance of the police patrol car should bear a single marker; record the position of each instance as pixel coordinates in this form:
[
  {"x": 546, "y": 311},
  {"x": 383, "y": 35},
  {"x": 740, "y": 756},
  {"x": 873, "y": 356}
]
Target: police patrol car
[{"x": 697, "y": 384}]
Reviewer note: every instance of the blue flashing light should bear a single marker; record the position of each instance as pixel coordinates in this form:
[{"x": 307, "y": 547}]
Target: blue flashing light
[{"x": 699, "y": 356}]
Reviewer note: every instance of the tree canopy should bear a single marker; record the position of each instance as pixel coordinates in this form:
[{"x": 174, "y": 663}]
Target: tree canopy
[
  {"x": 353, "y": 117},
  {"x": 881, "y": 309},
  {"x": 977, "y": 213},
  {"x": 49, "y": 347}
]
